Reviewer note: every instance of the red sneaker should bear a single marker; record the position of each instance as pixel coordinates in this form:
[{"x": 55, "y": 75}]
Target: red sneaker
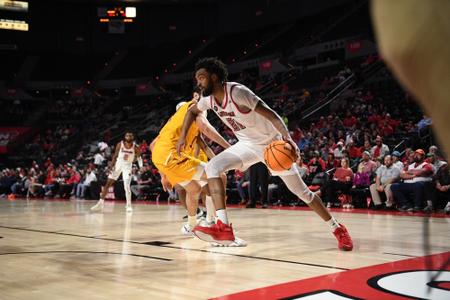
[
  {"x": 218, "y": 233},
  {"x": 344, "y": 240}
]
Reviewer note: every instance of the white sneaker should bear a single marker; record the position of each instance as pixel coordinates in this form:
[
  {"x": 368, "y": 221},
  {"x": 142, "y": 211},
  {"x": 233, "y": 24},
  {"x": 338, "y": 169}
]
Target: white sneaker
[
  {"x": 187, "y": 230},
  {"x": 128, "y": 208},
  {"x": 98, "y": 206},
  {"x": 236, "y": 243}
]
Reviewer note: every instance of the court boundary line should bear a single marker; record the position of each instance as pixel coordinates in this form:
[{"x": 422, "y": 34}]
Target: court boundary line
[
  {"x": 178, "y": 248},
  {"x": 87, "y": 252}
]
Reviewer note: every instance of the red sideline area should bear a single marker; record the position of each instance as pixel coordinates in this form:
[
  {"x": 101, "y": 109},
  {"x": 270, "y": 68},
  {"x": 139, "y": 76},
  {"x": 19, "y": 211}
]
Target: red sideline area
[
  {"x": 363, "y": 211},
  {"x": 405, "y": 279}
]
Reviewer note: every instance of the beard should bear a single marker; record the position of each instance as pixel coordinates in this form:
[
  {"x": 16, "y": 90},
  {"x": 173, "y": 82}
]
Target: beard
[{"x": 208, "y": 90}]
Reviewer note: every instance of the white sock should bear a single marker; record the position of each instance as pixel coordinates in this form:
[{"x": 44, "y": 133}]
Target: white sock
[
  {"x": 210, "y": 209},
  {"x": 430, "y": 203},
  {"x": 448, "y": 204},
  {"x": 222, "y": 215},
  {"x": 101, "y": 200},
  {"x": 192, "y": 221},
  {"x": 333, "y": 223}
]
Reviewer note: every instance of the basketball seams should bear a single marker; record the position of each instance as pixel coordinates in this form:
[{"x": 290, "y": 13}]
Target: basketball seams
[
  {"x": 291, "y": 159},
  {"x": 275, "y": 158}
]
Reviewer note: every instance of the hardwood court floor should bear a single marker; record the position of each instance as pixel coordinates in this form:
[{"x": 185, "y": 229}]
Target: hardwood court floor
[{"x": 59, "y": 250}]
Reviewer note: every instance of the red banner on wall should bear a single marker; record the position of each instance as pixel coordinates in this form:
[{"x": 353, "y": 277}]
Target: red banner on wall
[
  {"x": 354, "y": 46},
  {"x": 9, "y": 135}
]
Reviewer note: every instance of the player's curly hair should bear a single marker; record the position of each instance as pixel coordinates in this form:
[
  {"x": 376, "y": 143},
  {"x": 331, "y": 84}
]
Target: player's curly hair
[{"x": 214, "y": 66}]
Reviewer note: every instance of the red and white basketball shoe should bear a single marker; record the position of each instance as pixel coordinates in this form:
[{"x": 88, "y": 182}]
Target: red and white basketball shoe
[
  {"x": 344, "y": 240},
  {"x": 219, "y": 233}
]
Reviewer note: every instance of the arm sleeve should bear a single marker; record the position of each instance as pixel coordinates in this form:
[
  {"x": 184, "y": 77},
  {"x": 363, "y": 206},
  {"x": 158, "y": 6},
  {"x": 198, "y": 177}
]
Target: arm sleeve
[
  {"x": 243, "y": 96},
  {"x": 203, "y": 104}
]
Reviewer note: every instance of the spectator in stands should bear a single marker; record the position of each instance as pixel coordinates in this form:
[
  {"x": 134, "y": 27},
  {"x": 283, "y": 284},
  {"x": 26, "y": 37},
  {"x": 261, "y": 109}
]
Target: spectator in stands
[
  {"x": 386, "y": 175},
  {"x": 242, "y": 181},
  {"x": 302, "y": 167},
  {"x": 408, "y": 157},
  {"x": 414, "y": 178},
  {"x": 367, "y": 146},
  {"x": 442, "y": 193},
  {"x": 98, "y": 159},
  {"x": 51, "y": 183},
  {"x": 332, "y": 163},
  {"x": 354, "y": 152},
  {"x": 433, "y": 149},
  {"x": 341, "y": 181},
  {"x": 396, "y": 160},
  {"x": 367, "y": 165},
  {"x": 21, "y": 184},
  {"x": 380, "y": 149},
  {"x": 144, "y": 147},
  {"x": 362, "y": 178},
  {"x": 316, "y": 165},
  {"x": 423, "y": 124},
  {"x": 259, "y": 185},
  {"x": 144, "y": 181},
  {"x": 435, "y": 162},
  {"x": 69, "y": 184},
  {"x": 338, "y": 150},
  {"x": 350, "y": 120},
  {"x": 7, "y": 179},
  {"x": 85, "y": 184}
]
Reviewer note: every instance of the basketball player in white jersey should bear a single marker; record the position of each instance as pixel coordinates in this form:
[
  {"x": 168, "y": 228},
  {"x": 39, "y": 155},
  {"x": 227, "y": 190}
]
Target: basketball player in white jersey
[
  {"x": 255, "y": 126},
  {"x": 122, "y": 162}
]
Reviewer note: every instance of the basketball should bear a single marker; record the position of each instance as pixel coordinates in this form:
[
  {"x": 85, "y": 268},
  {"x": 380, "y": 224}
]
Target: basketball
[{"x": 279, "y": 156}]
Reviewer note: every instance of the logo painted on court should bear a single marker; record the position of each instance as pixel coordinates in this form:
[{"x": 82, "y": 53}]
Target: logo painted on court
[{"x": 425, "y": 277}]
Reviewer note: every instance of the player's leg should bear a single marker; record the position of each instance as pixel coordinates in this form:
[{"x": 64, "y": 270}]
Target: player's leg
[
  {"x": 193, "y": 190},
  {"x": 115, "y": 173},
  {"x": 181, "y": 195},
  {"x": 236, "y": 157},
  {"x": 296, "y": 185},
  {"x": 126, "y": 176}
]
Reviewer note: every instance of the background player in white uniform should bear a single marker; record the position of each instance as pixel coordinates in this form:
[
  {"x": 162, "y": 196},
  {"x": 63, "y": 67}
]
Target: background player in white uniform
[
  {"x": 122, "y": 162},
  {"x": 255, "y": 125}
]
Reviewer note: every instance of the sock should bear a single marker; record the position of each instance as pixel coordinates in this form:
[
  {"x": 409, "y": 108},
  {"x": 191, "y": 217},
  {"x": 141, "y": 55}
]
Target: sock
[
  {"x": 210, "y": 209},
  {"x": 333, "y": 223},
  {"x": 430, "y": 203},
  {"x": 192, "y": 221},
  {"x": 448, "y": 204},
  {"x": 222, "y": 215},
  {"x": 101, "y": 200}
]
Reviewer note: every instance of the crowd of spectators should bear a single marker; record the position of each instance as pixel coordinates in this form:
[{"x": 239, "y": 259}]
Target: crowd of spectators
[{"x": 351, "y": 156}]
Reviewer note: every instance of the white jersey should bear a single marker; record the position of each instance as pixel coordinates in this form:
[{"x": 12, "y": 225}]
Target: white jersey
[
  {"x": 126, "y": 156},
  {"x": 249, "y": 127}
]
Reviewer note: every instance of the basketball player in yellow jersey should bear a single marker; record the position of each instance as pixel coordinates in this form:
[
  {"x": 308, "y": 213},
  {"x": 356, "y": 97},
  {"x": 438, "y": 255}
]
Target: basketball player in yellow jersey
[{"x": 186, "y": 169}]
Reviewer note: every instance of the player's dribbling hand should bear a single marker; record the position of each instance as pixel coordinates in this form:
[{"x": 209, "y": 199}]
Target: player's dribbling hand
[{"x": 293, "y": 145}]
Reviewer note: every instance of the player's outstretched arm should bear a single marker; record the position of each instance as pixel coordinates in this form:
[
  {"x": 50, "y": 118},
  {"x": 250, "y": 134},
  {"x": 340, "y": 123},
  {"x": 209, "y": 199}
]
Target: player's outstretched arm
[
  {"x": 208, "y": 130},
  {"x": 191, "y": 114},
  {"x": 276, "y": 120}
]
